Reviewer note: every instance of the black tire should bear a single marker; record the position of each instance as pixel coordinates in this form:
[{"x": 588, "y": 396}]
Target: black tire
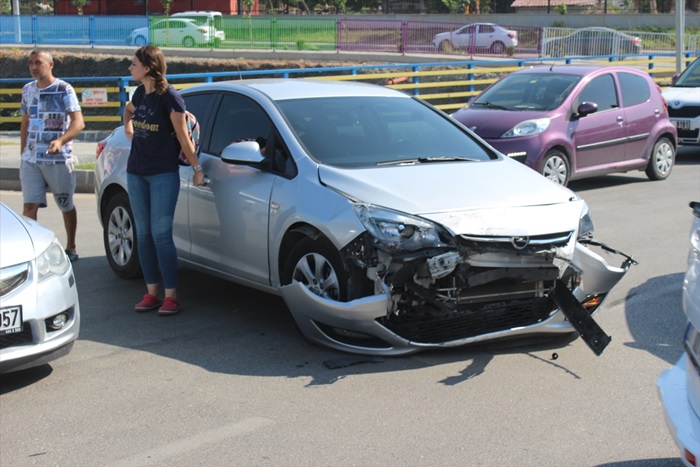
[
  {"x": 139, "y": 41},
  {"x": 119, "y": 238},
  {"x": 188, "y": 42},
  {"x": 498, "y": 48},
  {"x": 555, "y": 167},
  {"x": 317, "y": 265},
  {"x": 661, "y": 160},
  {"x": 444, "y": 46}
]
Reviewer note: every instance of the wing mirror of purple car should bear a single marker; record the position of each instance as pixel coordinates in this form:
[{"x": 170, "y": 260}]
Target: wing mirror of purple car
[{"x": 586, "y": 108}]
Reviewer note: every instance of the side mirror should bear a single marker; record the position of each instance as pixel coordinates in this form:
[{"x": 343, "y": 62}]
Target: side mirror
[
  {"x": 587, "y": 108},
  {"x": 243, "y": 153},
  {"x": 674, "y": 78}
]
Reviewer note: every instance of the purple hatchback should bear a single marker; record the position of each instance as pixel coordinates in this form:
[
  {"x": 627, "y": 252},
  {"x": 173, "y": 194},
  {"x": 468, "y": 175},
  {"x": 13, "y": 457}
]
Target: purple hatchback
[{"x": 570, "y": 122}]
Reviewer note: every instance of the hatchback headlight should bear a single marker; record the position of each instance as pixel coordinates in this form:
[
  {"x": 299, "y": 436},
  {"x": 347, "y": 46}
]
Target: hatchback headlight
[
  {"x": 52, "y": 261},
  {"x": 527, "y": 128},
  {"x": 393, "y": 230}
]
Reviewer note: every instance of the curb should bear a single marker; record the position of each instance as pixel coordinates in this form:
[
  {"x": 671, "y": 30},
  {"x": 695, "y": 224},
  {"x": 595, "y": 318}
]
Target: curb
[{"x": 84, "y": 180}]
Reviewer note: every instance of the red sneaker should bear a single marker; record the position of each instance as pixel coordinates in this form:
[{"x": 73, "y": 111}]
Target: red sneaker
[
  {"x": 169, "y": 307},
  {"x": 149, "y": 302}
]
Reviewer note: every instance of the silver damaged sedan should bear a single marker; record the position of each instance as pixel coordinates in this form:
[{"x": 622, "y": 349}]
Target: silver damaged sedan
[{"x": 385, "y": 225}]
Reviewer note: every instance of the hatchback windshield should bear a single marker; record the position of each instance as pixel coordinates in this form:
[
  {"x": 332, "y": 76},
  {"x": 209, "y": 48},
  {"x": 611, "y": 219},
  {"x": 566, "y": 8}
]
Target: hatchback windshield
[
  {"x": 369, "y": 131},
  {"x": 528, "y": 91}
]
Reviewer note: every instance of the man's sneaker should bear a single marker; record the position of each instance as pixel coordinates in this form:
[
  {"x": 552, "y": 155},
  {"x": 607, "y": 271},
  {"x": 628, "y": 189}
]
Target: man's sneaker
[
  {"x": 149, "y": 302},
  {"x": 169, "y": 307},
  {"x": 72, "y": 255}
]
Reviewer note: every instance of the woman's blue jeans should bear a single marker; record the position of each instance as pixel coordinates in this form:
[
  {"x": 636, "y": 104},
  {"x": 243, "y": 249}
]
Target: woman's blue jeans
[{"x": 153, "y": 199}]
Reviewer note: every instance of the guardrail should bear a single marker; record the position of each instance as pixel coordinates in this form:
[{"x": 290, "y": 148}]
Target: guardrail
[{"x": 447, "y": 85}]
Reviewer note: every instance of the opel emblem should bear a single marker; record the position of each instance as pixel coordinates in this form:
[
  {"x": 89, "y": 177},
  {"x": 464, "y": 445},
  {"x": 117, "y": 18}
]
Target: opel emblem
[{"x": 519, "y": 243}]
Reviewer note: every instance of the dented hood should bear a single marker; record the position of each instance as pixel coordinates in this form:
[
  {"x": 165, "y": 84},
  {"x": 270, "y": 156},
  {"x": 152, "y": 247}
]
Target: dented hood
[{"x": 478, "y": 198}]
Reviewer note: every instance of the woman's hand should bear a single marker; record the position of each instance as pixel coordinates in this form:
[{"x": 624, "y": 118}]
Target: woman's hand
[{"x": 198, "y": 178}]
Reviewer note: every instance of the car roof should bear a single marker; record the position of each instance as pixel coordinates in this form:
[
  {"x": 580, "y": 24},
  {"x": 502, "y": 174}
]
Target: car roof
[
  {"x": 580, "y": 70},
  {"x": 279, "y": 89}
]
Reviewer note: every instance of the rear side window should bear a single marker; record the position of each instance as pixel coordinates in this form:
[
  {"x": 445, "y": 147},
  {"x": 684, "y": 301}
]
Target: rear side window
[
  {"x": 600, "y": 90},
  {"x": 199, "y": 105},
  {"x": 635, "y": 89}
]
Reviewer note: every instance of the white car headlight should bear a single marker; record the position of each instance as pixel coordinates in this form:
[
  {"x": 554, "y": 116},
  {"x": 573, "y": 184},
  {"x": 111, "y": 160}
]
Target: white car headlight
[
  {"x": 397, "y": 231},
  {"x": 527, "y": 128},
  {"x": 52, "y": 261},
  {"x": 585, "y": 223}
]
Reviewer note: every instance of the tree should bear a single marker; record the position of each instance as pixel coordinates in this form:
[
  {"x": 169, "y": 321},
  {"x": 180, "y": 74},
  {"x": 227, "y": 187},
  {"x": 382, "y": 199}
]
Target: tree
[
  {"x": 79, "y": 4},
  {"x": 166, "y": 6}
]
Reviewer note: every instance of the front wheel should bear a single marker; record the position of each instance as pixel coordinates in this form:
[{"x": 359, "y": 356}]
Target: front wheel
[
  {"x": 661, "y": 160},
  {"x": 119, "y": 237},
  {"x": 555, "y": 167},
  {"x": 139, "y": 41},
  {"x": 445, "y": 46}
]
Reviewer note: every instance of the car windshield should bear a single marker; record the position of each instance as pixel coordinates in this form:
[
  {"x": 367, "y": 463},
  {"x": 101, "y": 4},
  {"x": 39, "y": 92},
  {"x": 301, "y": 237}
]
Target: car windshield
[
  {"x": 371, "y": 131},
  {"x": 691, "y": 77},
  {"x": 528, "y": 91}
]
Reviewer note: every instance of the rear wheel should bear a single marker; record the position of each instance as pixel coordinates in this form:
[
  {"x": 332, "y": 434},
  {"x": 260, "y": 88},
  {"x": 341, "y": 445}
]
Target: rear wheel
[
  {"x": 498, "y": 47},
  {"x": 555, "y": 167},
  {"x": 188, "y": 42},
  {"x": 119, "y": 237},
  {"x": 661, "y": 160}
]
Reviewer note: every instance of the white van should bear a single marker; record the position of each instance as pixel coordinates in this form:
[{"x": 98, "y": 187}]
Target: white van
[{"x": 211, "y": 19}]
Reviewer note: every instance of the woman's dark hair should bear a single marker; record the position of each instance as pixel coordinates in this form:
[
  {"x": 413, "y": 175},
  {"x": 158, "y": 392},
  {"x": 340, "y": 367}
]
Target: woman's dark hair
[{"x": 152, "y": 57}]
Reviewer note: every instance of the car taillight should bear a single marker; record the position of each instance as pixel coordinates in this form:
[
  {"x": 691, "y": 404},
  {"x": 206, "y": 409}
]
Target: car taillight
[
  {"x": 511, "y": 35},
  {"x": 203, "y": 30},
  {"x": 100, "y": 147}
]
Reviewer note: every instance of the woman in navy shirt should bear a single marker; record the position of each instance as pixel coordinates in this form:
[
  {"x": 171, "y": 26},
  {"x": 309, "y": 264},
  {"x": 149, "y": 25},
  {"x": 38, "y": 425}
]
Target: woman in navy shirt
[{"x": 155, "y": 123}]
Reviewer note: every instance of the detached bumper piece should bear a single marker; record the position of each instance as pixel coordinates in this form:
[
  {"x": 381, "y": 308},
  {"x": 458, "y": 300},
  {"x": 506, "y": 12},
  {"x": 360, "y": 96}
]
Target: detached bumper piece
[{"x": 580, "y": 319}]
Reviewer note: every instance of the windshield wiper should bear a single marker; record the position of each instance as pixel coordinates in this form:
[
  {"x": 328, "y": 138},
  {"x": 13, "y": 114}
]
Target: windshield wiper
[
  {"x": 425, "y": 160},
  {"x": 490, "y": 105}
]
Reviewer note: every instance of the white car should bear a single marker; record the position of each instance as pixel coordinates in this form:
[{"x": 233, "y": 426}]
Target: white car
[
  {"x": 679, "y": 387},
  {"x": 171, "y": 31},
  {"x": 39, "y": 308},
  {"x": 683, "y": 99},
  {"x": 211, "y": 19},
  {"x": 477, "y": 37}
]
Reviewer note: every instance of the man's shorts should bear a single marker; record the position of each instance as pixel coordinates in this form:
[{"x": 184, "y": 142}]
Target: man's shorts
[{"x": 37, "y": 178}]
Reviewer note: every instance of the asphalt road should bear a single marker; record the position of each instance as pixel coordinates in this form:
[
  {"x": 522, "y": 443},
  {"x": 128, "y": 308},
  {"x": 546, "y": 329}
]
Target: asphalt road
[{"x": 230, "y": 381}]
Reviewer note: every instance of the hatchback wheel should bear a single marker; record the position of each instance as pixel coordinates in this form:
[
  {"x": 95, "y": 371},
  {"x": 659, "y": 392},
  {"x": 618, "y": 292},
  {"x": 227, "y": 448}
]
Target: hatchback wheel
[
  {"x": 661, "y": 160},
  {"x": 498, "y": 47},
  {"x": 119, "y": 237},
  {"x": 555, "y": 167}
]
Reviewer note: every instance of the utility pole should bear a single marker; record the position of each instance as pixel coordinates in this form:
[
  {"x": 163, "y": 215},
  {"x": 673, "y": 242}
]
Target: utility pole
[{"x": 680, "y": 30}]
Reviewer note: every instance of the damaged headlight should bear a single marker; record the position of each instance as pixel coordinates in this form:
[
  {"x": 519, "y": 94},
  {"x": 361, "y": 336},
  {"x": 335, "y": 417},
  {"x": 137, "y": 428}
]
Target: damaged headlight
[
  {"x": 393, "y": 231},
  {"x": 585, "y": 223}
]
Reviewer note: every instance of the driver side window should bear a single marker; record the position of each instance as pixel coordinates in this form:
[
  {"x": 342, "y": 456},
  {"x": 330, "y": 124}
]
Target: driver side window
[{"x": 600, "y": 90}]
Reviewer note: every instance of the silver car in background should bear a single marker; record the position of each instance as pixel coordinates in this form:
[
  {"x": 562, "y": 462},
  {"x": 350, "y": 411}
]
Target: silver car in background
[
  {"x": 385, "y": 225},
  {"x": 679, "y": 387},
  {"x": 39, "y": 307}
]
